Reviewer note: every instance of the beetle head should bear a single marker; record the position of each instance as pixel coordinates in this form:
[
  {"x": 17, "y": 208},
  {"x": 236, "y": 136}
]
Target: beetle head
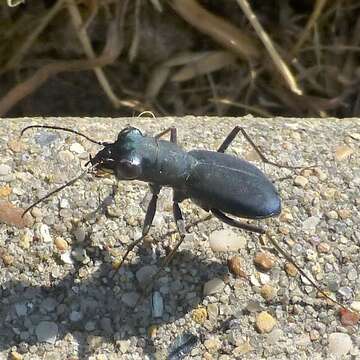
[{"x": 120, "y": 158}]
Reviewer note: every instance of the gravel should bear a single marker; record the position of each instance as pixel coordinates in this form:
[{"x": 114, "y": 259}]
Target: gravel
[{"x": 66, "y": 299}]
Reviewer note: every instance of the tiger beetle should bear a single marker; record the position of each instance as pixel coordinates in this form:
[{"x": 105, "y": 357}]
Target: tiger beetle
[{"x": 219, "y": 183}]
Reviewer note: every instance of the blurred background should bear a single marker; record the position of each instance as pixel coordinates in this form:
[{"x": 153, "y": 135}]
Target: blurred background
[{"x": 177, "y": 57}]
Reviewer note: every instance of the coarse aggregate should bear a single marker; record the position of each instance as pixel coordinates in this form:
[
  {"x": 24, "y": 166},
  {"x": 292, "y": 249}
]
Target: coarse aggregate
[{"x": 61, "y": 296}]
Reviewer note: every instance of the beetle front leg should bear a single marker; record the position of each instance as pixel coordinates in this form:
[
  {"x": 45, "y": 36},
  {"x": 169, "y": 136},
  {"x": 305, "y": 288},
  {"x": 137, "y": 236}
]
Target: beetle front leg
[
  {"x": 149, "y": 217},
  {"x": 229, "y": 139}
]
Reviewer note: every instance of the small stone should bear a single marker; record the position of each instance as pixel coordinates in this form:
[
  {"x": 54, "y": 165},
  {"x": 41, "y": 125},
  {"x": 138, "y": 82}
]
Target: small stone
[
  {"x": 79, "y": 254},
  {"x": 234, "y": 265},
  {"x": 77, "y": 148},
  {"x": 291, "y": 269},
  {"x": 66, "y": 156},
  {"x": 130, "y": 298},
  {"x": 301, "y": 181},
  {"x": 286, "y": 216},
  {"x": 123, "y": 345},
  {"x": 152, "y": 331},
  {"x": 7, "y": 259},
  {"x": 90, "y": 326},
  {"x": 226, "y": 240},
  {"x": 49, "y": 304},
  {"x": 274, "y": 336},
  {"x": 144, "y": 274},
  {"x": 344, "y": 214},
  {"x": 346, "y": 292},
  {"x": 342, "y": 152},
  {"x": 15, "y": 356},
  {"x": 66, "y": 258},
  {"x": 213, "y": 286},
  {"x": 339, "y": 344},
  {"x": 25, "y": 240},
  {"x": 75, "y": 316},
  {"x": 355, "y": 305},
  {"x": 157, "y": 305},
  {"x": 352, "y": 274},
  {"x": 212, "y": 345},
  {"x": 44, "y": 233},
  {"x": 213, "y": 311},
  {"x": 47, "y": 331},
  {"x": 199, "y": 315},
  {"x": 332, "y": 215},
  {"x": 5, "y": 170},
  {"x": 268, "y": 292},
  {"x": 310, "y": 223},
  {"x": 79, "y": 233},
  {"x": 349, "y": 318},
  {"x": 324, "y": 247},
  {"x": 61, "y": 244},
  {"x": 329, "y": 193},
  {"x": 242, "y": 349},
  {"x": 253, "y": 306},
  {"x": 314, "y": 335},
  {"x": 265, "y": 322},
  {"x": 264, "y": 261},
  {"x": 21, "y": 309},
  {"x": 5, "y": 191}
]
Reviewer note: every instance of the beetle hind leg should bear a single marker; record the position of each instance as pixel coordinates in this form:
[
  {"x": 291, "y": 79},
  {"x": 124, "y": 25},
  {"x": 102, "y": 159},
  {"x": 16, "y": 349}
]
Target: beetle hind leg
[
  {"x": 232, "y": 222},
  {"x": 229, "y": 139}
]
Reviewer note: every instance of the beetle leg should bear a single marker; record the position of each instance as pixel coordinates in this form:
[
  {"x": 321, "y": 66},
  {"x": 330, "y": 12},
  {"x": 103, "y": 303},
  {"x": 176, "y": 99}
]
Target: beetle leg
[
  {"x": 173, "y": 134},
  {"x": 228, "y": 220},
  {"x": 180, "y": 225},
  {"x": 149, "y": 217},
  {"x": 263, "y": 158}
]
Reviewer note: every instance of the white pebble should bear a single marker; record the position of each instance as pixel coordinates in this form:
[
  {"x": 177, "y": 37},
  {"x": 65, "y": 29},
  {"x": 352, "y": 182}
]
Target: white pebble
[
  {"x": 77, "y": 148},
  {"x": 339, "y": 344},
  {"x": 213, "y": 286},
  {"x": 226, "y": 240}
]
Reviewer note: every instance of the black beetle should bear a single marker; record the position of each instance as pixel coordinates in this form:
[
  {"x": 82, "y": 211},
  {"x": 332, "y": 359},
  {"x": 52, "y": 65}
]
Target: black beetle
[{"x": 220, "y": 183}]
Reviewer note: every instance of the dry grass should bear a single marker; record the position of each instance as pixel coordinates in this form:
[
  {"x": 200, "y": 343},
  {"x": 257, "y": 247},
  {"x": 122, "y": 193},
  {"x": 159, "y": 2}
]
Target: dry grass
[{"x": 175, "y": 57}]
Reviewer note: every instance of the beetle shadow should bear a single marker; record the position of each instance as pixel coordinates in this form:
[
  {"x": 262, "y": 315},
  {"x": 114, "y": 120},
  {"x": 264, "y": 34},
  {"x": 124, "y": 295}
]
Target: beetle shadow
[{"x": 94, "y": 307}]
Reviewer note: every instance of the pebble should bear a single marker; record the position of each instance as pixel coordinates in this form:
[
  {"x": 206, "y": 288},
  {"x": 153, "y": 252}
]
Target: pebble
[
  {"x": 290, "y": 269},
  {"x": 265, "y": 322},
  {"x": 342, "y": 152},
  {"x": 268, "y": 292},
  {"x": 77, "y": 148},
  {"x": 61, "y": 244},
  {"x": 47, "y": 331},
  {"x": 286, "y": 216},
  {"x": 346, "y": 292},
  {"x": 344, "y": 214},
  {"x": 324, "y": 248},
  {"x": 130, "y": 298},
  {"x": 199, "y": 315},
  {"x": 4, "y": 170},
  {"x": 310, "y": 223},
  {"x": 332, "y": 215},
  {"x": 5, "y": 191},
  {"x": 212, "y": 345},
  {"x": 274, "y": 336},
  {"x": 352, "y": 274},
  {"x": 339, "y": 344},
  {"x": 80, "y": 233},
  {"x": 15, "y": 356},
  {"x": 44, "y": 233},
  {"x": 26, "y": 239},
  {"x": 355, "y": 305},
  {"x": 264, "y": 261},
  {"x": 66, "y": 258},
  {"x": 157, "y": 305},
  {"x": 21, "y": 309},
  {"x": 75, "y": 316},
  {"x": 226, "y": 240},
  {"x": 213, "y": 286},
  {"x": 234, "y": 265},
  {"x": 349, "y": 318},
  {"x": 144, "y": 274},
  {"x": 213, "y": 311},
  {"x": 49, "y": 304},
  {"x": 301, "y": 181}
]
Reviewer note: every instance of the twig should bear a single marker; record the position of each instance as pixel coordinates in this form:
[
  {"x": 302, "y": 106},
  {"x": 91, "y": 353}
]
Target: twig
[{"x": 274, "y": 55}]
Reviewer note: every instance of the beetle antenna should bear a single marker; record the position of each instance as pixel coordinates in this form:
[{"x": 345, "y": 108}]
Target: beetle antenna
[
  {"x": 302, "y": 272},
  {"x": 63, "y": 129},
  {"x": 72, "y": 181}
]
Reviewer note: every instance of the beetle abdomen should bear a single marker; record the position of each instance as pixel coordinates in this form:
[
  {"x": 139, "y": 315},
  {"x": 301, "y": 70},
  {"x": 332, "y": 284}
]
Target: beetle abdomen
[{"x": 233, "y": 185}]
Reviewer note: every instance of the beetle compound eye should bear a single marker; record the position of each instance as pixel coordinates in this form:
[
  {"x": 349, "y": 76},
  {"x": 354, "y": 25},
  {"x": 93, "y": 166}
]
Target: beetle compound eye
[{"x": 128, "y": 169}]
